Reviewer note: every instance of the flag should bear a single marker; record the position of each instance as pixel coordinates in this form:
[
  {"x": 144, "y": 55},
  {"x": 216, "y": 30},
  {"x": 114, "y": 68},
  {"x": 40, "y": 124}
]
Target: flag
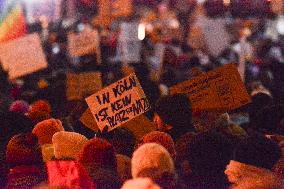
[{"x": 12, "y": 20}]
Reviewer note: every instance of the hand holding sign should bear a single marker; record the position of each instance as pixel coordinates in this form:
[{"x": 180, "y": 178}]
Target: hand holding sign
[{"x": 118, "y": 103}]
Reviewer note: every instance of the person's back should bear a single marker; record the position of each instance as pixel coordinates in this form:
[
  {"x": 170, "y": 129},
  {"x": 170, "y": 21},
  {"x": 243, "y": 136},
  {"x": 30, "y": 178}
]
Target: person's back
[{"x": 208, "y": 155}]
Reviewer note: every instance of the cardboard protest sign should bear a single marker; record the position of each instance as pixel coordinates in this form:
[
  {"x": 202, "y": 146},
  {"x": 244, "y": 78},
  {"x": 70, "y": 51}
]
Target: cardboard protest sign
[
  {"x": 220, "y": 89},
  {"x": 139, "y": 126},
  {"x": 104, "y": 17},
  {"x": 118, "y": 103},
  {"x": 81, "y": 85},
  {"x": 84, "y": 43},
  {"x": 89, "y": 121},
  {"x": 22, "y": 56},
  {"x": 111, "y": 9},
  {"x": 121, "y": 8},
  {"x": 127, "y": 70}
]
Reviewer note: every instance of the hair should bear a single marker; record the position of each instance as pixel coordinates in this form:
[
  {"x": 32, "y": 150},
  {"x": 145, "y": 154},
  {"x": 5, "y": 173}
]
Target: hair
[
  {"x": 175, "y": 110},
  {"x": 268, "y": 119},
  {"x": 259, "y": 101}
]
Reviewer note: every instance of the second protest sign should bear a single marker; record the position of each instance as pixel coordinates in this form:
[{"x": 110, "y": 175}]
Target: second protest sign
[{"x": 118, "y": 103}]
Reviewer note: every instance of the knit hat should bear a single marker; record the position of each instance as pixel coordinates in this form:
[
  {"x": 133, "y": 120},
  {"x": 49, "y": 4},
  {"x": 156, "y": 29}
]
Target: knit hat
[
  {"x": 123, "y": 167},
  {"x": 23, "y": 149},
  {"x": 38, "y": 116},
  {"x": 68, "y": 174},
  {"x": 68, "y": 144},
  {"x": 140, "y": 183},
  {"x": 149, "y": 156},
  {"x": 258, "y": 151},
  {"x": 41, "y": 105},
  {"x": 19, "y": 106},
  {"x": 161, "y": 138},
  {"x": 39, "y": 110},
  {"x": 98, "y": 153},
  {"x": 46, "y": 129}
]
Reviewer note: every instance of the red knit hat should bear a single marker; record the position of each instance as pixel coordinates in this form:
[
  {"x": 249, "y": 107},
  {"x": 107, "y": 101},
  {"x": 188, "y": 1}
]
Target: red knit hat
[
  {"x": 46, "y": 129},
  {"x": 23, "y": 149},
  {"x": 98, "y": 153},
  {"x": 39, "y": 111},
  {"x": 41, "y": 105},
  {"x": 161, "y": 138}
]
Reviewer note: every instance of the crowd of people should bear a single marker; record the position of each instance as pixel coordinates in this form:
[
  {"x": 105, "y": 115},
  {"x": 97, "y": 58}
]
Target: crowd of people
[
  {"x": 44, "y": 144},
  {"x": 40, "y": 151}
]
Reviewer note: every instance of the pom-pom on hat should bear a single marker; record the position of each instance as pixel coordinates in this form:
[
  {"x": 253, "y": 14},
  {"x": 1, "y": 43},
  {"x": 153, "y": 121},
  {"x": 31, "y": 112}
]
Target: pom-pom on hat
[
  {"x": 46, "y": 129},
  {"x": 23, "y": 149},
  {"x": 151, "y": 156},
  {"x": 19, "y": 106},
  {"x": 68, "y": 144}
]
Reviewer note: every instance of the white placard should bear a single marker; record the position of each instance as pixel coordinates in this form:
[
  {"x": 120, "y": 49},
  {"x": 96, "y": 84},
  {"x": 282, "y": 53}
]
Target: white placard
[{"x": 22, "y": 56}]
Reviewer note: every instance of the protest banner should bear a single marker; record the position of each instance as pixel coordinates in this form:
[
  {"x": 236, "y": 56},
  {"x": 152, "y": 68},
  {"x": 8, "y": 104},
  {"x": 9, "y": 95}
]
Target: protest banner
[
  {"x": 118, "y": 103},
  {"x": 82, "y": 85},
  {"x": 145, "y": 125},
  {"x": 220, "y": 89},
  {"x": 84, "y": 43},
  {"x": 22, "y": 56}
]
